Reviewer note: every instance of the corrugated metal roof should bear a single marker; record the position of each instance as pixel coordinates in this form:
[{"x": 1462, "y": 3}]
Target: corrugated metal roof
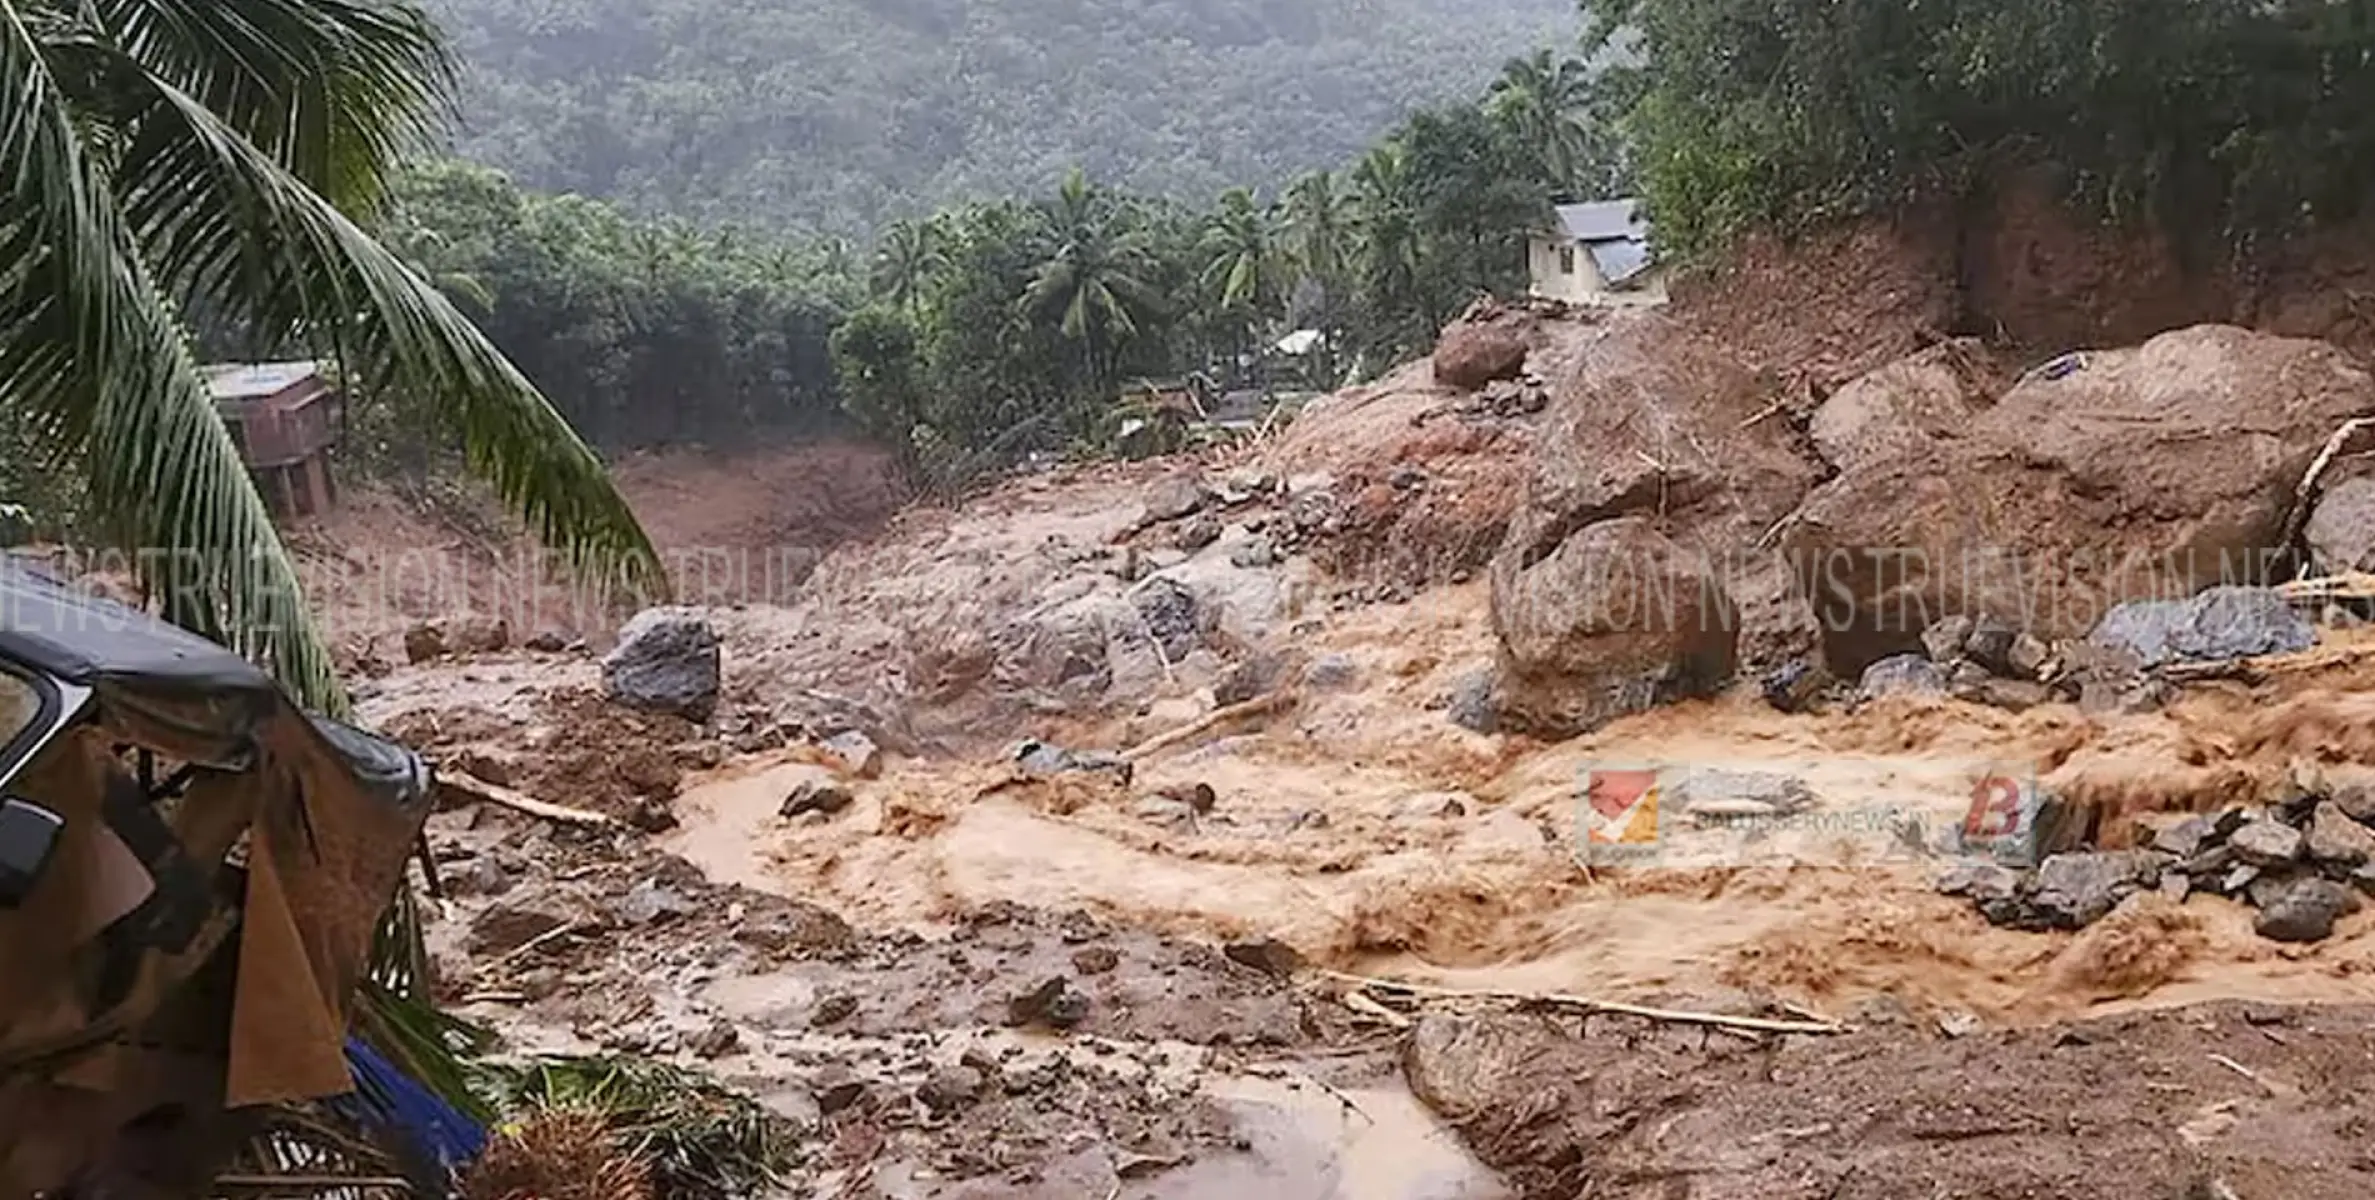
[
  {"x": 1619, "y": 259},
  {"x": 1604, "y": 220},
  {"x": 254, "y": 381}
]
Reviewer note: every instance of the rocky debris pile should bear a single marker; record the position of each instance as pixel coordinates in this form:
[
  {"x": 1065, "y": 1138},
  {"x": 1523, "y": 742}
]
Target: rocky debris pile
[
  {"x": 666, "y": 661},
  {"x": 2182, "y": 453},
  {"x": 2303, "y": 863},
  {"x": 1983, "y": 660}
]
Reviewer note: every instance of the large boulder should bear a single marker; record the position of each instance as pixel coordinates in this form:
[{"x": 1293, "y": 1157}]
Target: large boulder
[
  {"x": 666, "y": 661},
  {"x": 1632, "y": 568},
  {"x": 1615, "y": 619},
  {"x": 2153, "y": 471},
  {"x": 1468, "y": 356},
  {"x": 1904, "y": 406}
]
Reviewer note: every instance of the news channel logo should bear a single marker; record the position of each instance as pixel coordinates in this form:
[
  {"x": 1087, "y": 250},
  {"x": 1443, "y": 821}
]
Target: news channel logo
[{"x": 1711, "y": 814}]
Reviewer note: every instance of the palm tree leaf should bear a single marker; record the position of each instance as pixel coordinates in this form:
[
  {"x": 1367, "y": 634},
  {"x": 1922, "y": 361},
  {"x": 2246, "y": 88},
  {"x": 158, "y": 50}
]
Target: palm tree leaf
[
  {"x": 334, "y": 91},
  {"x": 228, "y": 228},
  {"x": 93, "y": 356}
]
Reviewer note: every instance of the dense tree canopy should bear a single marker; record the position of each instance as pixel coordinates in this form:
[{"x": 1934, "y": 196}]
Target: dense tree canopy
[
  {"x": 642, "y": 331},
  {"x": 841, "y": 115},
  {"x": 2215, "y": 117}
]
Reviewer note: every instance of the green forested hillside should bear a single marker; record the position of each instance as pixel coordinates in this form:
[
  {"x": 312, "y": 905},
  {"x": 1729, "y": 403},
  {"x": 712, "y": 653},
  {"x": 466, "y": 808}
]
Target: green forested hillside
[{"x": 838, "y": 115}]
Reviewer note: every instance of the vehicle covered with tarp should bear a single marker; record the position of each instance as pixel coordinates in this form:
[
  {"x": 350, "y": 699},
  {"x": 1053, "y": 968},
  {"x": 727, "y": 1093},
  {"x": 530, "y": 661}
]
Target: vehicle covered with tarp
[{"x": 191, "y": 869}]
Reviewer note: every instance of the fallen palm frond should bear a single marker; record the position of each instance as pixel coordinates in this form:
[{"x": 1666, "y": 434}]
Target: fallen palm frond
[
  {"x": 699, "y": 1140},
  {"x": 559, "y": 1154}
]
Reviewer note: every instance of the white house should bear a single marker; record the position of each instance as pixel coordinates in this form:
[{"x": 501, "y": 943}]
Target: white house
[{"x": 1597, "y": 254}]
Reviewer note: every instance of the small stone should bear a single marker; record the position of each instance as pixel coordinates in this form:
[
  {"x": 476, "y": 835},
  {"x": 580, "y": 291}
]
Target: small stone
[
  {"x": 2335, "y": 838},
  {"x": 2352, "y": 790},
  {"x": 1965, "y": 678},
  {"x": 1981, "y": 881},
  {"x": 2239, "y": 880},
  {"x": 2176, "y": 886},
  {"x": 1475, "y": 704},
  {"x": 1958, "y": 1023},
  {"x": 838, "y": 1093},
  {"x": 1053, "y": 1003},
  {"x": 854, "y": 754},
  {"x": 424, "y": 642},
  {"x": 1331, "y": 672},
  {"x": 1792, "y": 686},
  {"x": 1170, "y": 814},
  {"x": 652, "y": 814},
  {"x": 2029, "y": 656},
  {"x": 547, "y": 641},
  {"x": 506, "y": 927},
  {"x": 1944, "y": 640},
  {"x": 1902, "y": 675},
  {"x": 1194, "y": 535},
  {"x": 1199, "y": 798},
  {"x": 481, "y": 876},
  {"x": 2269, "y": 888},
  {"x": 815, "y": 795},
  {"x": 2364, "y": 879},
  {"x": 1175, "y": 496},
  {"x": 2183, "y": 839},
  {"x": 650, "y": 902},
  {"x": 2073, "y": 891},
  {"x": 2011, "y": 695},
  {"x": 1267, "y": 955},
  {"x": 1990, "y": 645},
  {"x": 1254, "y": 553},
  {"x": 2266, "y": 843},
  {"x": 1435, "y": 806},
  {"x": 833, "y": 1010},
  {"x": 717, "y": 1041},
  {"x": 2306, "y": 912},
  {"x": 950, "y": 1088},
  {"x": 1881, "y": 1009},
  {"x": 1096, "y": 960}
]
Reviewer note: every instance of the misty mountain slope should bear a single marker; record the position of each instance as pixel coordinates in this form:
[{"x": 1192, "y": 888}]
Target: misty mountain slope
[{"x": 834, "y": 115}]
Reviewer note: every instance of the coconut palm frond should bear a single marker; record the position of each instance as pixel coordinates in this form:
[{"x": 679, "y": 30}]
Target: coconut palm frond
[
  {"x": 204, "y": 200},
  {"x": 98, "y": 364},
  {"x": 698, "y": 1138},
  {"x": 335, "y": 91}
]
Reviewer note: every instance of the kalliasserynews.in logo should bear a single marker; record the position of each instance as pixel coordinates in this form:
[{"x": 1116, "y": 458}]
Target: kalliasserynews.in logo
[{"x": 1628, "y": 814}]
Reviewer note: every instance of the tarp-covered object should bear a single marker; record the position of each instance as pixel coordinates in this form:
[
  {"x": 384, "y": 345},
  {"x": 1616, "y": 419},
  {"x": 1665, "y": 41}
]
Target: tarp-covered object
[{"x": 130, "y": 907}]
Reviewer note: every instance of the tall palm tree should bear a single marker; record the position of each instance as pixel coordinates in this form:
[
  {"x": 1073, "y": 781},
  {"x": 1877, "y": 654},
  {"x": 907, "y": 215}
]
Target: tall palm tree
[
  {"x": 1541, "y": 99},
  {"x": 1318, "y": 226},
  {"x": 1389, "y": 242},
  {"x": 1244, "y": 266},
  {"x": 1242, "y": 258},
  {"x": 1091, "y": 278},
  {"x": 910, "y": 255},
  {"x": 166, "y": 157}
]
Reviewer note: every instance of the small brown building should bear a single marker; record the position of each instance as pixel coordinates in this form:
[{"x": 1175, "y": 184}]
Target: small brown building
[{"x": 285, "y": 417}]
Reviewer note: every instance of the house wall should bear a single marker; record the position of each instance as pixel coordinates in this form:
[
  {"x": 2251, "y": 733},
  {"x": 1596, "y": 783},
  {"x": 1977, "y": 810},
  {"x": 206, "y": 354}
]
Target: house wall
[{"x": 1581, "y": 285}]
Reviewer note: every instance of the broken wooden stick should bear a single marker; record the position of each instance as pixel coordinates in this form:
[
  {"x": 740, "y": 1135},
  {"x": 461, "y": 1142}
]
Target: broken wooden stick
[
  {"x": 1209, "y": 721},
  {"x": 2305, "y": 495},
  {"x": 1589, "y": 1005},
  {"x": 2350, "y": 585},
  {"x": 471, "y": 786}
]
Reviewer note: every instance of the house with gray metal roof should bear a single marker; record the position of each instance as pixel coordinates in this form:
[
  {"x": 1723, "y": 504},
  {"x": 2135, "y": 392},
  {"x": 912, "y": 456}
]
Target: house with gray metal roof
[{"x": 1595, "y": 253}]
